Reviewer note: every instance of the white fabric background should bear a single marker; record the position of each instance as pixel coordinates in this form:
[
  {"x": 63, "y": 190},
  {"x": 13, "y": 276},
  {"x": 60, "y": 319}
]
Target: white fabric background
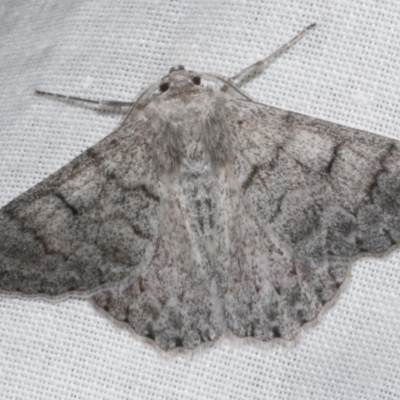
[{"x": 345, "y": 71}]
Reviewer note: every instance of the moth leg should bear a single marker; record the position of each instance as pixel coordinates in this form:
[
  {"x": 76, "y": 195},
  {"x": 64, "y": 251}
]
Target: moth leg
[
  {"x": 102, "y": 103},
  {"x": 260, "y": 65}
]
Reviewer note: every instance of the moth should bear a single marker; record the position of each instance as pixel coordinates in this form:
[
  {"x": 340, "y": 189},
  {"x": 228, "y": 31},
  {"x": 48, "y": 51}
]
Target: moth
[{"x": 204, "y": 213}]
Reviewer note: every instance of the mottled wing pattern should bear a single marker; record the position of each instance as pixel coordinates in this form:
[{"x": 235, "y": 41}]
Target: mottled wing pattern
[
  {"x": 314, "y": 196},
  {"x": 86, "y": 226},
  {"x": 230, "y": 215}
]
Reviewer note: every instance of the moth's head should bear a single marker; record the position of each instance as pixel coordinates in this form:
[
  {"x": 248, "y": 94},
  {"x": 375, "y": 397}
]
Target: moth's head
[{"x": 179, "y": 78}]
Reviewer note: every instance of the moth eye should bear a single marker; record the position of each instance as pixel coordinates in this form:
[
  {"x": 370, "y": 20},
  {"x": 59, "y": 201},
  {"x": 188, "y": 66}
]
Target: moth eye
[
  {"x": 164, "y": 87},
  {"x": 196, "y": 80}
]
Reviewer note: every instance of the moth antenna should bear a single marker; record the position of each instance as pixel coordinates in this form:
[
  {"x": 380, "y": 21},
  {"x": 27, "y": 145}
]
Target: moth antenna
[
  {"x": 142, "y": 96},
  {"x": 100, "y": 104},
  {"x": 226, "y": 82},
  {"x": 260, "y": 65}
]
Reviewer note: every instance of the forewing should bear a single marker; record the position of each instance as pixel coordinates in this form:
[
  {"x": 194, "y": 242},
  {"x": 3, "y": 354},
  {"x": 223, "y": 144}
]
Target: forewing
[
  {"x": 324, "y": 189},
  {"x": 312, "y": 196},
  {"x": 86, "y": 226}
]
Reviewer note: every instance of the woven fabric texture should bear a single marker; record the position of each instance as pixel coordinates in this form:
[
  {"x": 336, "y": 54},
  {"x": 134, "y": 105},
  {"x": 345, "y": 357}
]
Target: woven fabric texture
[{"x": 346, "y": 71}]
